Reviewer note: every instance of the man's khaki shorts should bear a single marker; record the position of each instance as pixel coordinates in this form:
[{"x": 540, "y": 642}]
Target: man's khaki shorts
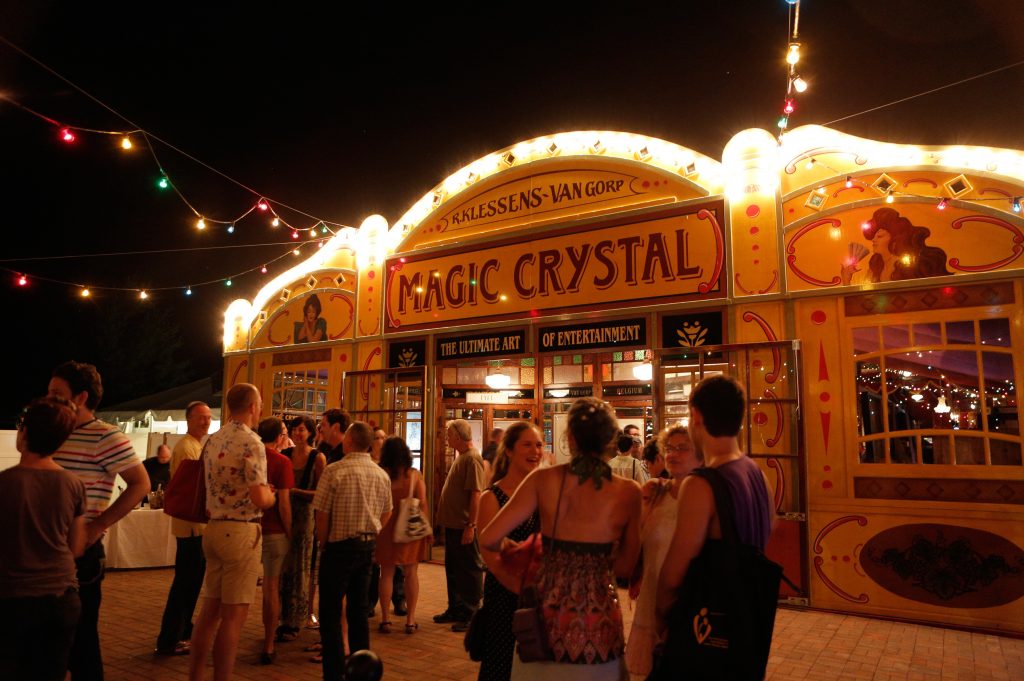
[{"x": 233, "y": 551}]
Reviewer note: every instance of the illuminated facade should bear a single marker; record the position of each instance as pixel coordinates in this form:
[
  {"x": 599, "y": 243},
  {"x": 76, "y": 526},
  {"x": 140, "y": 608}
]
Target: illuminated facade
[{"x": 867, "y": 294}]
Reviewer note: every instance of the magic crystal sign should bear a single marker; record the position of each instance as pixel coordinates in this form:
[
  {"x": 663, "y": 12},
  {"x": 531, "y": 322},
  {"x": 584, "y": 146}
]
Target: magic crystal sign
[{"x": 675, "y": 254}]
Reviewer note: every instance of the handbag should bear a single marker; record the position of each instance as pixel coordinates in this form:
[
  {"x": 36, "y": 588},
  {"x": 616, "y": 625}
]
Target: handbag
[
  {"x": 528, "y": 620},
  {"x": 476, "y": 635},
  {"x": 720, "y": 627},
  {"x": 185, "y": 496},
  {"x": 411, "y": 524}
]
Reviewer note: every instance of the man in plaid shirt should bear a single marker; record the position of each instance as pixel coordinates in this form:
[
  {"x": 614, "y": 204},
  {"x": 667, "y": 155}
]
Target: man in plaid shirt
[{"x": 352, "y": 504}]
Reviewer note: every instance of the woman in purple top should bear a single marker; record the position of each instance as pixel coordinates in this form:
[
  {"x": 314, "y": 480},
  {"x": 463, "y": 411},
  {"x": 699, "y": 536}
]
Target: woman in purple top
[{"x": 42, "y": 531}]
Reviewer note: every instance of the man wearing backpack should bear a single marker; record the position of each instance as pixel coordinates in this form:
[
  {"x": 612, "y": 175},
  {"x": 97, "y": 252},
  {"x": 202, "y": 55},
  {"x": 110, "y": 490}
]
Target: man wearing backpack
[{"x": 717, "y": 407}]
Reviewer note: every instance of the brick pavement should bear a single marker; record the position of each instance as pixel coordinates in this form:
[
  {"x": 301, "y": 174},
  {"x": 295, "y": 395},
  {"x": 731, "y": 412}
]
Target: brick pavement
[{"x": 807, "y": 645}]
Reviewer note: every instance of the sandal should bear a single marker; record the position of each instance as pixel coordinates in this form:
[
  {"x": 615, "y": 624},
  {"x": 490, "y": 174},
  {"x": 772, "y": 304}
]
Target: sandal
[
  {"x": 315, "y": 648},
  {"x": 286, "y": 636},
  {"x": 385, "y": 627},
  {"x": 318, "y": 658},
  {"x": 411, "y": 628}
]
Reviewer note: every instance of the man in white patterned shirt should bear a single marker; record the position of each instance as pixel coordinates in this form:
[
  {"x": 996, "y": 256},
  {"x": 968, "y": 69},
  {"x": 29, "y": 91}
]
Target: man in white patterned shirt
[
  {"x": 97, "y": 453},
  {"x": 235, "y": 463},
  {"x": 352, "y": 503}
]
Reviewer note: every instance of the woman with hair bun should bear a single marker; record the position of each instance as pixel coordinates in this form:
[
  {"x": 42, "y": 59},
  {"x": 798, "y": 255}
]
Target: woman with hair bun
[
  {"x": 519, "y": 453},
  {"x": 590, "y": 522}
]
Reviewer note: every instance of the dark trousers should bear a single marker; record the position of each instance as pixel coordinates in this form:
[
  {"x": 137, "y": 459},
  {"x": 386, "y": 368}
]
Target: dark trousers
[
  {"x": 189, "y": 568},
  {"x": 344, "y": 573},
  {"x": 86, "y": 663},
  {"x": 464, "y": 574},
  {"x": 36, "y": 635},
  {"x": 397, "y": 590}
]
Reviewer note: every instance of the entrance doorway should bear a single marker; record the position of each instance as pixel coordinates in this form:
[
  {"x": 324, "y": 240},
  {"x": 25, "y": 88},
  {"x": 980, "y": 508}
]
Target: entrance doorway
[
  {"x": 772, "y": 433},
  {"x": 392, "y": 400}
]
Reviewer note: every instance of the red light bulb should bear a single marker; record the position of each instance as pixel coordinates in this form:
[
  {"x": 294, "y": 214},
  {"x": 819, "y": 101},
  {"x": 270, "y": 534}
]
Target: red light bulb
[
  {"x": 790, "y": 106},
  {"x": 262, "y": 205},
  {"x": 22, "y": 280},
  {"x": 295, "y": 235},
  {"x": 67, "y": 135},
  {"x": 263, "y": 270}
]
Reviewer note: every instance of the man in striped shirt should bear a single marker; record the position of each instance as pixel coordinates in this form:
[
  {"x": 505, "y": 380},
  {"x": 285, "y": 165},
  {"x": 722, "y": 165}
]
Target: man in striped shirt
[{"x": 97, "y": 453}]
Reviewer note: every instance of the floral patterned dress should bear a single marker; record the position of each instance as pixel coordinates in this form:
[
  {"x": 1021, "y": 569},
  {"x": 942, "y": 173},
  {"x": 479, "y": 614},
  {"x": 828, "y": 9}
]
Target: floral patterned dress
[
  {"x": 295, "y": 575},
  {"x": 581, "y": 613}
]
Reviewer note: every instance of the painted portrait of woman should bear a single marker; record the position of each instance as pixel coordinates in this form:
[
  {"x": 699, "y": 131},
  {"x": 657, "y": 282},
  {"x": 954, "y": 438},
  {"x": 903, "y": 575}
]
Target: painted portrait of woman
[
  {"x": 898, "y": 251},
  {"x": 313, "y": 327}
]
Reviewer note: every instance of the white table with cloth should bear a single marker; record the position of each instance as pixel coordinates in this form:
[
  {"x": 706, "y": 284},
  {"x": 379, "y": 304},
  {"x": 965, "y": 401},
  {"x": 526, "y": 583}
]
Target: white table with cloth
[{"x": 141, "y": 539}]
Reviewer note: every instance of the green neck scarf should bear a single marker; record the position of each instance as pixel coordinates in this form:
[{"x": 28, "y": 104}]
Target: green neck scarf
[{"x": 590, "y": 468}]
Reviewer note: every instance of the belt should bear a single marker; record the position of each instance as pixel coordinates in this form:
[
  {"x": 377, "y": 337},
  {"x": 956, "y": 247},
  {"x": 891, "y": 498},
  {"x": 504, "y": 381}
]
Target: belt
[
  {"x": 362, "y": 537},
  {"x": 235, "y": 520}
]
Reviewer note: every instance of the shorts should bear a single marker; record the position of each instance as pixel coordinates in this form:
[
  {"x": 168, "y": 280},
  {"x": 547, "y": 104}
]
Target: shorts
[
  {"x": 275, "y": 550},
  {"x": 233, "y": 553}
]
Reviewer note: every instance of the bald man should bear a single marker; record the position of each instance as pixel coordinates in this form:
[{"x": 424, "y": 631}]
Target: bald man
[{"x": 159, "y": 468}]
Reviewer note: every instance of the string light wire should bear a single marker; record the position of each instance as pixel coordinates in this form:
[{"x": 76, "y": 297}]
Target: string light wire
[
  {"x": 73, "y": 256},
  {"x": 927, "y": 92},
  {"x": 135, "y": 289}
]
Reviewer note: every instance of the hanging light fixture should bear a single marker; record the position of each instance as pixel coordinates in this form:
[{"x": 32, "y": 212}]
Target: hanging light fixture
[
  {"x": 941, "y": 407},
  {"x": 497, "y": 381},
  {"x": 643, "y": 372}
]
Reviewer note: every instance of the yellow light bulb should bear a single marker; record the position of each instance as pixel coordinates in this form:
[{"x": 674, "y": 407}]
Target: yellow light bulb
[
  {"x": 794, "y": 53},
  {"x": 275, "y": 222},
  {"x": 296, "y": 252},
  {"x": 85, "y": 293},
  {"x": 126, "y": 143},
  {"x": 200, "y": 224},
  {"x": 143, "y": 295}
]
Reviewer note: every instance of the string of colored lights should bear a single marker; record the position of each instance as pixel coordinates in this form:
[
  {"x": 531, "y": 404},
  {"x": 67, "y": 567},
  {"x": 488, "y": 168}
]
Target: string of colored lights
[
  {"x": 794, "y": 83},
  {"x": 66, "y": 132},
  {"x": 263, "y": 204}
]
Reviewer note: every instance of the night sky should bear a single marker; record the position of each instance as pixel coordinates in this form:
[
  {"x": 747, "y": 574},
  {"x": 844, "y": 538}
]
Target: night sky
[{"x": 351, "y": 113}]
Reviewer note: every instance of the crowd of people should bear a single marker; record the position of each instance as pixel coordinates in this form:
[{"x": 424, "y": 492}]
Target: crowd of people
[{"x": 315, "y": 506}]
